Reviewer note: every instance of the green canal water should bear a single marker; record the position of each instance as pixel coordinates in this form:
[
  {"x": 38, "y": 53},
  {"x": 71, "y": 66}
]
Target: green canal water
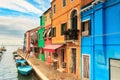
[{"x": 8, "y": 69}]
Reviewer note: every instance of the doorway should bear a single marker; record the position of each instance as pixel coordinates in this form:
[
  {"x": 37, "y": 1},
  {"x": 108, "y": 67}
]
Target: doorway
[
  {"x": 114, "y": 69},
  {"x": 86, "y": 67},
  {"x": 73, "y": 61},
  {"x": 62, "y": 57}
]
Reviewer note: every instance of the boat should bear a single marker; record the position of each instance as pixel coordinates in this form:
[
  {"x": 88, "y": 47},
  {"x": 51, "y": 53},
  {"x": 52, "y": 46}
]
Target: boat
[
  {"x": 18, "y": 58},
  {"x": 24, "y": 70},
  {"x": 0, "y": 54},
  {"x": 1, "y": 51},
  {"x": 3, "y": 48},
  {"x": 15, "y": 55},
  {"x": 20, "y": 61}
]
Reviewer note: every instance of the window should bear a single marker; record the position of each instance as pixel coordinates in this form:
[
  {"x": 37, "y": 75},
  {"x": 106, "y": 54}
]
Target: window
[
  {"x": 55, "y": 55},
  {"x": 53, "y": 32},
  {"x": 50, "y": 15},
  {"x": 74, "y": 20},
  {"x": 45, "y": 18},
  {"x": 54, "y": 9},
  {"x": 45, "y": 34},
  {"x": 49, "y": 33},
  {"x": 36, "y": 49},
  {"x": 64, "y": 3},
  {"x": 63, "y": 28},
  {"x": 86, "y": 28}
]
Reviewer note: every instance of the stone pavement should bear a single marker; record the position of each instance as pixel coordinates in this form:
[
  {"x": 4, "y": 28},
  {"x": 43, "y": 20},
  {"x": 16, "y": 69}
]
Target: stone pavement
[{"x": 45, "y": 70}]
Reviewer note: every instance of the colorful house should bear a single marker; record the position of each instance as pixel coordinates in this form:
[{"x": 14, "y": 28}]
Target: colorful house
[
  {"x": 31, "y": 41},
  {"x": 47, "y": 33},
  {"x": 24, "y": 44},
  {"x": 65, "y": 36},
  {"x": 41, "y": 42},
  {"x": 34, "y": 41},
  {"x": 27, "y": 42},
  {"x": 100, "y": 44}
]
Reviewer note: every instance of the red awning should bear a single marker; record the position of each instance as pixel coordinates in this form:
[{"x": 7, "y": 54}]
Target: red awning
[{"x": 51, "y": 48}]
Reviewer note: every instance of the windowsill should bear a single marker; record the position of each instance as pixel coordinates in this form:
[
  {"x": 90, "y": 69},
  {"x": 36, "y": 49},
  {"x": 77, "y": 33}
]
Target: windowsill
[
  {"x": 63, "y": 6},
  {"x": 85, "y": 33}
]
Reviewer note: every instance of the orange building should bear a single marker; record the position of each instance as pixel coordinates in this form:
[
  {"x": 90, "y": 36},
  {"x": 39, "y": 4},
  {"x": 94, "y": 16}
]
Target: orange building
[{"x": 66, "y": 32}]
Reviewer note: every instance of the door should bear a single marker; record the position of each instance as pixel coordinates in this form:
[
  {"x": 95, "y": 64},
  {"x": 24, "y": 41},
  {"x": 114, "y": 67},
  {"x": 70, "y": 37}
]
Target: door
[
  {"x": 62, "y": 57},
  {"x": 114, "y": 69},
  {"x": 73, "y": 61},
  {"x": 86, "y": 67}
]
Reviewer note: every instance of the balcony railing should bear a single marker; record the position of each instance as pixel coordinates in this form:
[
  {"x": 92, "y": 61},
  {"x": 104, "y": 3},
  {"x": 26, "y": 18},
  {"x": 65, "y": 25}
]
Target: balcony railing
[{"x": 71, "y": 34}]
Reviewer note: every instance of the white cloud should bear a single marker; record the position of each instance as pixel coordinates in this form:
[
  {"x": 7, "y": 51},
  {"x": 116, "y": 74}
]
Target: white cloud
[
  {"x": 19, "y": 5},
  {"x": 42, "y": 4},
  {"x": 16, "y": 23},
  {"x": 50, "y": 0},
  {"x": 19, "y": 23}
]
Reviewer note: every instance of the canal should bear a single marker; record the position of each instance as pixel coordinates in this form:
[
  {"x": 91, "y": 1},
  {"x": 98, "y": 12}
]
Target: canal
[{"x": 8, "y": 70}]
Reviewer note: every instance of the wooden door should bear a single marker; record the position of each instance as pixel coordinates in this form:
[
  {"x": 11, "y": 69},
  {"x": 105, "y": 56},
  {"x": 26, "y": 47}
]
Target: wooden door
[
  {"x": 73, "y": 60},
  {"x": 86, "y": 67},
  {"x": 114, "y": 69}
]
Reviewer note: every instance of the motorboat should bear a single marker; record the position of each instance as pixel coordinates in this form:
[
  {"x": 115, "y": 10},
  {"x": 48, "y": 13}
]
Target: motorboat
[
  {"x": 20, "y": 61},
  {"x": 25, "y": 70}
]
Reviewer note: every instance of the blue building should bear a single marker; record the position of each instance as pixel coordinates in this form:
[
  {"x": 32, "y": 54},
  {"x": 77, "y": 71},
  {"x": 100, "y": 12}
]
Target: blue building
[{"x": 100, "y": 45}]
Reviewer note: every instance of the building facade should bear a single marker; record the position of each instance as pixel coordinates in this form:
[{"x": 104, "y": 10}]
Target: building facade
[
  {"x": 31, "y": 41},
  {"x": 100, "y": 46},
  {"x": 27, "y": 42},
  {"x": 65, "y": 35},
  {"x": 34, "y": 41},
  {"x": 47, "y": 33}
]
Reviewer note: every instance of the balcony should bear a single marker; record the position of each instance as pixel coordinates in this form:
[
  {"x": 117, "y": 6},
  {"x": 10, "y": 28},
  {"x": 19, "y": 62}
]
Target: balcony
[{"x": 71, "y": 35}]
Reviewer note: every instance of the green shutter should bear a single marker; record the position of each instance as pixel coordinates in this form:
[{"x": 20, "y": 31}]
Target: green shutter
[
  {"x": 41, "y": 42},
  {"x": 42, "y": 21}
]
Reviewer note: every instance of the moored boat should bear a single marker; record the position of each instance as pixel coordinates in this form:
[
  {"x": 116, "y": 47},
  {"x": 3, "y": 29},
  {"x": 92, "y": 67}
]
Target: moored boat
[
  {"x": 24, "y": 70},
  {"x": 21, "y": 61}
]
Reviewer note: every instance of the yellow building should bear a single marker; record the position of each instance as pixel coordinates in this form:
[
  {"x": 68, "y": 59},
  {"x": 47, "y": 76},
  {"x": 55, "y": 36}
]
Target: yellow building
[
  {"x": 66, "y": 34},
  {"x": 47, "y": 33}
]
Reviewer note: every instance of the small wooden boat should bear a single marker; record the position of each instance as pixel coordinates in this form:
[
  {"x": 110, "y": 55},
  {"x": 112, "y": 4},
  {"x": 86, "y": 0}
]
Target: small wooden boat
[
  {"x": 18, "y": 58},
  {"x": 0, "y": 54},
  {"x": 3, "y": 48},
  {"x": 21, "y": 61},
  {"x": 24, "y": 70},
  {"x": 1, "y": 51}
]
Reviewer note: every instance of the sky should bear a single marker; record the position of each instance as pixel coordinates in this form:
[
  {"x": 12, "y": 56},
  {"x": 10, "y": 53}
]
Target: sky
[{"x": 18, "y": 16}]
